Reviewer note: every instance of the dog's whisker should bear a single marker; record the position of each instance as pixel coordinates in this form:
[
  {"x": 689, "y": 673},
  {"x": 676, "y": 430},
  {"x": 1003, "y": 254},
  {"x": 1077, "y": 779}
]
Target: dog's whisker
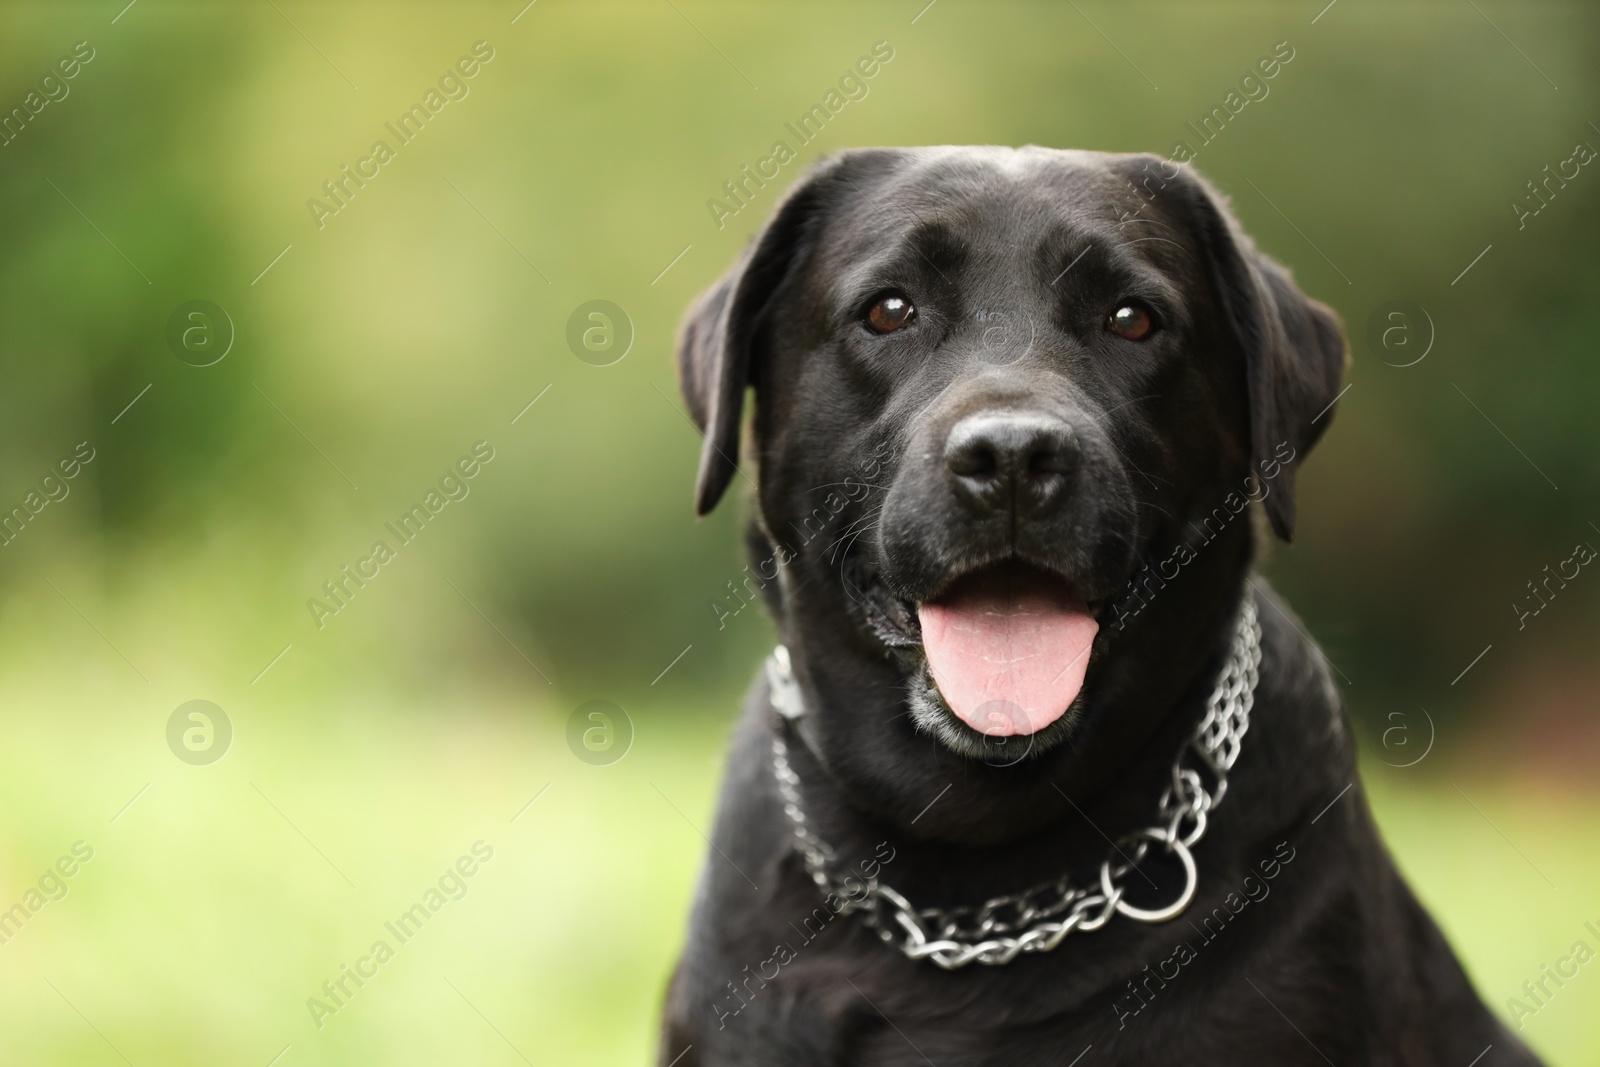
[
  {"x": 1111, "y": 442},
  {"x": 852, "y": 529},
  {"x": 907, "y": 211},
  {"x": 1148, "y": 220},
  {"x": 847, "y": 484},
  {"x": 1135, "y": 400},
  {"x": 848, "y": 532},
  {"x": 1163, "y": 240},
  {"x": 845, "y": 553}
]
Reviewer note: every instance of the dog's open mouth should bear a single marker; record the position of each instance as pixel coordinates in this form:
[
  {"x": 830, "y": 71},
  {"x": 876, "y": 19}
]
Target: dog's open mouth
[
  {"x": 1008, "y": 646},
  {"x": 1005, "y": 647}
]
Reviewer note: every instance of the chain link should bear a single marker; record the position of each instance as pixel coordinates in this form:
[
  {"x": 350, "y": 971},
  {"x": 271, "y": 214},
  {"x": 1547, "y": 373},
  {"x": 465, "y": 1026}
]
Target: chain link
[{"x": 1038, "y": 919}]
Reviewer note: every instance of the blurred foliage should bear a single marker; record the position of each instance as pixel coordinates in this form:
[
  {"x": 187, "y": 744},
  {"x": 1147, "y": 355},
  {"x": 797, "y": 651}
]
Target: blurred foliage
[
  {"x": 413, "y": 324},
  {"x": 432, "y": 309}
]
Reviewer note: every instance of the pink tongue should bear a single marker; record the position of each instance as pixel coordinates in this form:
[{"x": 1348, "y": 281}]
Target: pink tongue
[{"x": 1008, "y": 651}]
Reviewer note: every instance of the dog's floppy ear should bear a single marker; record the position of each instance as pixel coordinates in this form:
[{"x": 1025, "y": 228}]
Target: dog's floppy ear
[
  {"x": 1294, "y": 350},
  {"x": 718, "y": 341}
]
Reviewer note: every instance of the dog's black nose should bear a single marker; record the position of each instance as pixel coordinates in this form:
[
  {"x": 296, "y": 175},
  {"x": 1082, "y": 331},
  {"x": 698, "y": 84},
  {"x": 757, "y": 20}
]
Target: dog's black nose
[{"x": 1011, "y": 462}]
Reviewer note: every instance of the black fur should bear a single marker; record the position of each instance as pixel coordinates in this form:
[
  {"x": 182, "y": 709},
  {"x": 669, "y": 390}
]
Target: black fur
[{"x": 1014, "y": 258}]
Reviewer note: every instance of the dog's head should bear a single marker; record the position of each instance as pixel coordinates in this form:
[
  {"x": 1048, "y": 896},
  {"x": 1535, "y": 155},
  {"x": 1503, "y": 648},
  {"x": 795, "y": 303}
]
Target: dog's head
[{"x": 1011, "y": 408}]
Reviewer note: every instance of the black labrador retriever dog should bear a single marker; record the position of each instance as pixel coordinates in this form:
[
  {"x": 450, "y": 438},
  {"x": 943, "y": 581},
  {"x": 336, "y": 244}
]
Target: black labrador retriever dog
[{"x": 1042, "y": 773}]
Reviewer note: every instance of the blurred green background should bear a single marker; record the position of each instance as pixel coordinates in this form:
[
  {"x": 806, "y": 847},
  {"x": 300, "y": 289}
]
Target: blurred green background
[{"x": 370, "y": 354}]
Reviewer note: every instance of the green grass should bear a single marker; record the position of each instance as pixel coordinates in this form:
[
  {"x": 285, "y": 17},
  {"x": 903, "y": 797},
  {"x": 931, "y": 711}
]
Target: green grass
[
  {"x": 1510, "y": 871},
  {"x": 205, "y": 919}
]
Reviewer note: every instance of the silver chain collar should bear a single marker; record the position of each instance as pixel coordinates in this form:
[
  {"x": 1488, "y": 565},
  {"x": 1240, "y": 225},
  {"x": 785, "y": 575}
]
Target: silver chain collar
[{"x": 1038, "y": 919}]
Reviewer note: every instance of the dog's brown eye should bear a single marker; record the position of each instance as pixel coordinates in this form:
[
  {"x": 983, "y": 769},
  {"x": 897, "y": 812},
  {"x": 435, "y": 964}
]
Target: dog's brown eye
[
  {"x": 890, "y": 312},
  {"x": 1131, "y": 321}
]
